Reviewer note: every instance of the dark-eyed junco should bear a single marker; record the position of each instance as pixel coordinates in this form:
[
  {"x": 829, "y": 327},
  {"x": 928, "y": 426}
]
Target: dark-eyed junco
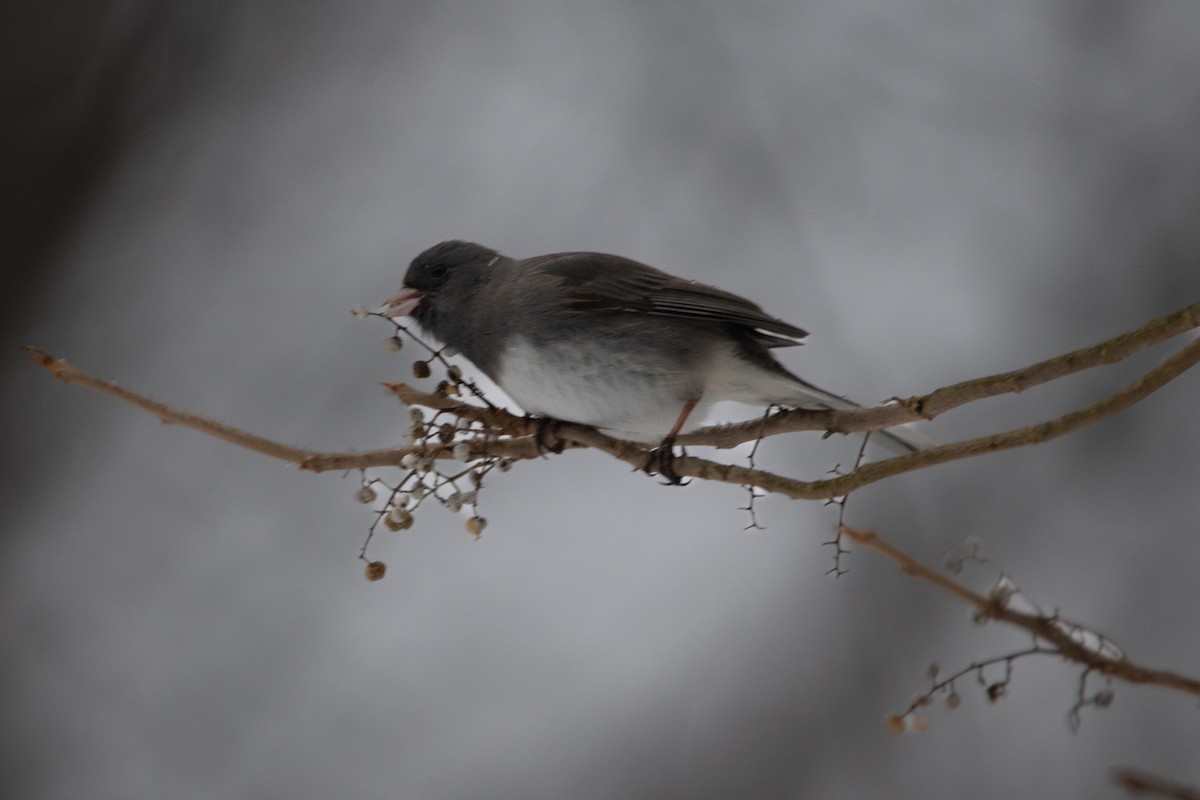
[{"x": 602, "y": 340}]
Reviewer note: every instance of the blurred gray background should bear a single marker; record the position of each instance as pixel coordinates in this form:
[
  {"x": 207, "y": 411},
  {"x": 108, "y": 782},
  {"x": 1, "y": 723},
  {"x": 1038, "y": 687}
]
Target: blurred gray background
[{"x": 195, "y": 195}]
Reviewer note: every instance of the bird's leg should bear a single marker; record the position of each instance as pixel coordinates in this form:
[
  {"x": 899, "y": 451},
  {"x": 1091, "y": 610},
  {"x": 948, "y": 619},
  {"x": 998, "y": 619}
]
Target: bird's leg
[
  {"x": 663, "y": 456},
  {"x": 544, "y": 427}
]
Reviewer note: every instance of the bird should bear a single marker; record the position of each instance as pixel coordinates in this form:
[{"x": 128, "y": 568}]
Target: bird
[{"x": 606, "y": 341}]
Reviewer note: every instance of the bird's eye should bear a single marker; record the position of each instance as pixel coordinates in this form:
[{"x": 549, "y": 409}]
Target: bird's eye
[{"x": 435, "y": 270}]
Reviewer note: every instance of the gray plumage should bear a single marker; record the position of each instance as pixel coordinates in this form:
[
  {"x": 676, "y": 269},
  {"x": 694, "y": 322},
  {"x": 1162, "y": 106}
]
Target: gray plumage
[{"x": 606, "y": 341}]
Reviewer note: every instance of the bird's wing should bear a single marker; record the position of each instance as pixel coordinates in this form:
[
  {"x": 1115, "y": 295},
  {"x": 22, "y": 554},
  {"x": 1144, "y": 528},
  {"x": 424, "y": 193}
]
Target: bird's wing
[{"x": 601, "y": 282}]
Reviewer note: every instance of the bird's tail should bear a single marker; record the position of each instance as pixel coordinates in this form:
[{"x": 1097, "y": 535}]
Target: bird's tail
[{"x": 900, "y": 439}]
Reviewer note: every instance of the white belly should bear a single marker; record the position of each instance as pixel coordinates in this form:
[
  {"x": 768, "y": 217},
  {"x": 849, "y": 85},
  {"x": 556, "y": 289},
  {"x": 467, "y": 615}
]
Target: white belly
[{"x": 587, "y": 383}]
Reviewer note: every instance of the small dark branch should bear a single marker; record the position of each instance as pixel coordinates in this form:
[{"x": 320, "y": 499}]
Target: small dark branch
[
  {"x": 994, "y": 689},
  {"x": 1100, "y": 699},
  {"x": 438, "y": 354},
  {"x": 839, "y": 548},
  {"x": 754, "y": 492}
]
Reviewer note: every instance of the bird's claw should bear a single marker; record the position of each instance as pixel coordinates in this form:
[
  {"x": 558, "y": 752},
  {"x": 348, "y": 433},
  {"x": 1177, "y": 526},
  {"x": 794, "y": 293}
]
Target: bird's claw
[
  {"x": 544, "y": 427},
  {"x": 661, "y": 461}
]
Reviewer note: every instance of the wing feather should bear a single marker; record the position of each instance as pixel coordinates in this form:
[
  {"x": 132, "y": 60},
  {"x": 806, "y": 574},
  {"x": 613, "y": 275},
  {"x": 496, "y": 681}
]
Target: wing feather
[{"x": 601, "y": 282}]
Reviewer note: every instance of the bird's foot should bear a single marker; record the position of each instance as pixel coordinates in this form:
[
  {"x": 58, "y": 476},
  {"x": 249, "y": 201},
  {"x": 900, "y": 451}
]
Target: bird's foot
[
  {"x": 661, "y": 461},
  {"x": 545, "y": 435}
]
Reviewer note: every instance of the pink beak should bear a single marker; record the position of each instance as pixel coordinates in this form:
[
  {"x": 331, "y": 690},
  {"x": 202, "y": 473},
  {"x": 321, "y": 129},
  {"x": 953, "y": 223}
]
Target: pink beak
[{"x": 403, "y": 303}]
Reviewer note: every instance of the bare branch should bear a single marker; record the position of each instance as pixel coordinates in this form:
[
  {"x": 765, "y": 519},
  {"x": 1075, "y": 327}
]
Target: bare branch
[
  {"x": 166, "y": 414},
  {"x": 517, "y": 442},
  {"x": 303, "y": 458},
  {"x": 1050, "y": 629},
  {"x": 928, "y": 406},
  {"x": 691, "y": 466},
  {"x": 1143, "y": 783},
  {"x": 1171, "y": 368},
  {"x": 497, "y": 434}
]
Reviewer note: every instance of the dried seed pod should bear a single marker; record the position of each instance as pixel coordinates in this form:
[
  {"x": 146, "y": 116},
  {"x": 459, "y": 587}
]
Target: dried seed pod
[{"x": 398, "y": 519}]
